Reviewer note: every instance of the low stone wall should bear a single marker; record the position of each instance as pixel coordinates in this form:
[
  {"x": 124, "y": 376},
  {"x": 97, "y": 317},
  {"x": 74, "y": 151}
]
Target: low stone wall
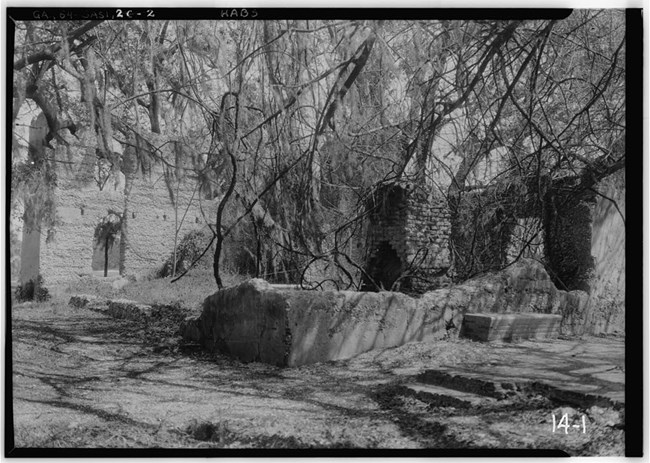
[
  {"x": 128, "y": 309},
  {"x": 523, "y": 287},
  {"x": 255, "y": 322},
  {"x": 510, "y": 327}
]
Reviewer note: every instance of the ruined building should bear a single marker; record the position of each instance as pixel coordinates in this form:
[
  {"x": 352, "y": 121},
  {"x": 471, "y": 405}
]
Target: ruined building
[
  {"x": 416, "y": 242},
  {"x": 408, "y": 239},
  {"x": 157, "y": 206}
]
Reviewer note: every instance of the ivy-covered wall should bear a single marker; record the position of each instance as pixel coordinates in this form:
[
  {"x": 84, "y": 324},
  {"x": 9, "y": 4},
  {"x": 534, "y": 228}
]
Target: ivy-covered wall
[
  {"x": 481, "y": 231},
  {"x": 568, "y": 223}
]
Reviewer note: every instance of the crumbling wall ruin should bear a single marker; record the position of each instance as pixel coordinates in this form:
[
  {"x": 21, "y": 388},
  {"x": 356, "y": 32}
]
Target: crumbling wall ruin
[
  {"x": 568, "y": 221},
  {"x": 151, "y": 220},
  {"x": 408, "y": 239},
  {"x": 606, "y": 303},
  {"x": 138, "y": 191},
  {"x": 579, "y": 235},
  {"x": 483, "y": 223},
  {"x": 257, "y": 322},
  {"x": 488, "y": 229}
]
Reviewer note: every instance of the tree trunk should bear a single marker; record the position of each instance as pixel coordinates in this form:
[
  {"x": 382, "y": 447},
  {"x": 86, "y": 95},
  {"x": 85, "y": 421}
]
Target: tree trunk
[
  {"x": 176, "y": 227},
  {"x": 106, "y": 257},
  {"x": 258, "y": 247},
  {"x": 220, "y": 208}
]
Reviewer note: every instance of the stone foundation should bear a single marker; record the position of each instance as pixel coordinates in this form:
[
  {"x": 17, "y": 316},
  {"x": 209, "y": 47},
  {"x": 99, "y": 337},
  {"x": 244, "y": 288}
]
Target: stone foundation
[
  {"x": 510, "y": 327},
  {"x": 255, "y": 322}
]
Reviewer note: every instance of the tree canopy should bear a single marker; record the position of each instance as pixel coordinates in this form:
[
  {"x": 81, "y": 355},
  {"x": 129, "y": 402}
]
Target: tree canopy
[{"x": 290, "y": 123}]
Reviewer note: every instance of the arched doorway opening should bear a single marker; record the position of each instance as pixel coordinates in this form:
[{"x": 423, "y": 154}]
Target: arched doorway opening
[{"x": 385, "y": 268}]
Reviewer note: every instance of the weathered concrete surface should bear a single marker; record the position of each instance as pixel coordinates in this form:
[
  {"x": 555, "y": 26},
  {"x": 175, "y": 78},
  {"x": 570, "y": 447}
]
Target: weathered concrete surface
[
  {"x": 255, "y": 322},
  {"x": 588, "y": 371},
  {"x": 606, "y": 305},
  {"x": 508, "y": 327},
  {"x": 523, "y": 287},
  {"x": 81, "y": 376}
]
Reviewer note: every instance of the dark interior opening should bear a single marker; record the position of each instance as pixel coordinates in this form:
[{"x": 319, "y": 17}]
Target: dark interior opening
[{"x": 385, "y": 267}]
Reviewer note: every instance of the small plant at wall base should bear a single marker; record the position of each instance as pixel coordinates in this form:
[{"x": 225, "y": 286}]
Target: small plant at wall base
[
  {"x": 32, "y": 290},
  {"x": 106, "y": 234},
  {"x": 189, "y": 249}
]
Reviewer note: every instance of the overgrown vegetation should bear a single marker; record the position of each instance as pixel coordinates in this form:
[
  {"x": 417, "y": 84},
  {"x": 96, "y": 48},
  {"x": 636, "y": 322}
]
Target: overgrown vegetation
[
  {"x": 106, "y": 233},
  {"x": 187, "y": 253},
  {"x": 33, "y": 290},
  {"x": 197, "y": 285},
  {"x": 274, "y": 120}
]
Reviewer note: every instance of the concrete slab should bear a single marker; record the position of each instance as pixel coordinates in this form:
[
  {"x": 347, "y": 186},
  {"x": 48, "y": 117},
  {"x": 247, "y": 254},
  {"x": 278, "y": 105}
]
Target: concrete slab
[
  {"x": 506, "y": 327},
  {"x": 468, "y": 398},
  {"x": 257, "y": 322}
]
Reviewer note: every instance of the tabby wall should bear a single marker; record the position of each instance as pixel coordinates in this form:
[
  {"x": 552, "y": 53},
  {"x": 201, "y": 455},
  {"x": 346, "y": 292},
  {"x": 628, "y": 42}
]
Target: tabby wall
[
  {"x": 607, "y": 295},
  {"x": 140, "y": 193},
  {"x": 151, "y": 220}
]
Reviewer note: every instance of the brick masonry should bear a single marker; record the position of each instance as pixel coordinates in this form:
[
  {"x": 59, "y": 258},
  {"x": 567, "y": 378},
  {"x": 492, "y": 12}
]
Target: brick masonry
[
  {"x": 408, "y": 239},
  {"x": 580, "y": 238}
]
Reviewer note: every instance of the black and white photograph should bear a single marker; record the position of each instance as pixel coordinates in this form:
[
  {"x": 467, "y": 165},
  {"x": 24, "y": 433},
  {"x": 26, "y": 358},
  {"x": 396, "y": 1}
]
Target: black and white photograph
[{"x": 364, "y": 232}]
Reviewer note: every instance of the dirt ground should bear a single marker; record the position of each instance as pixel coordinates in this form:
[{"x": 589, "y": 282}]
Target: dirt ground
[{"x": 84, "y": 380}]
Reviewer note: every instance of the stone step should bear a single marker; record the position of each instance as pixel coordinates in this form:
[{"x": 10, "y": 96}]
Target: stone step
[
  {"x": 474, "y": 386},
  {"x": 507, "y": 327},
  {"x": 446, "y": 397},
  {"x": 497, "y": 389}
]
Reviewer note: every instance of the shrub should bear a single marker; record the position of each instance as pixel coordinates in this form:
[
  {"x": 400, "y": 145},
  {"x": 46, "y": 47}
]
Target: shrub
[
  {"x": 188, "y": 250},
  {"x": 32, "y": 290}
]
